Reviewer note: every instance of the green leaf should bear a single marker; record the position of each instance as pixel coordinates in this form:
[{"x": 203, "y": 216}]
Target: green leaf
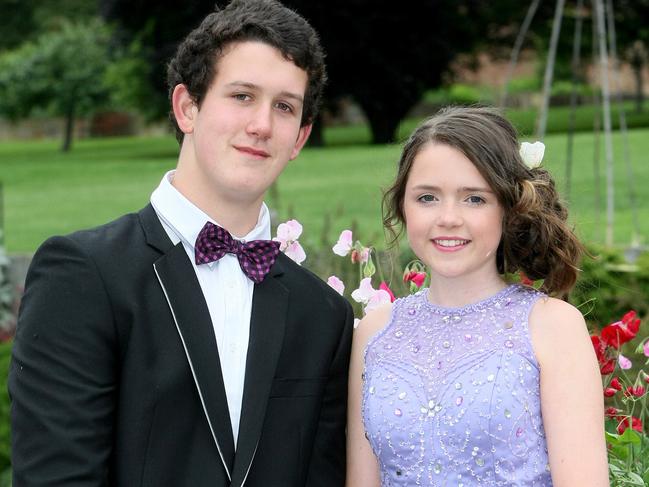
[
  {"x": 630, "y": 436},
  {"x": 612, "y": 438},
  {"x": 636, "y": 479}
]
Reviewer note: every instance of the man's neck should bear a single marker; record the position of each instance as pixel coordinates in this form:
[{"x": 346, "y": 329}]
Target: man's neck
[{"x": 236, "y": 215}]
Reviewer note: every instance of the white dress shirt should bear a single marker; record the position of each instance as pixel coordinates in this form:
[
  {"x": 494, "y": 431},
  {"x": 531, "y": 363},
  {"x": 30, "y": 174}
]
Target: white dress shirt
[{"x": 227, "y": 290}]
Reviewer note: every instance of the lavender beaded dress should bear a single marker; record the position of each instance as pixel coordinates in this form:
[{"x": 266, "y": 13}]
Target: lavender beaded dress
[{"x": 451, "y": 395}]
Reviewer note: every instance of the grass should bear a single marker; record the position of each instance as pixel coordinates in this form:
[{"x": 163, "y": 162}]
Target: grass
[{"x": 327, "y": 189}]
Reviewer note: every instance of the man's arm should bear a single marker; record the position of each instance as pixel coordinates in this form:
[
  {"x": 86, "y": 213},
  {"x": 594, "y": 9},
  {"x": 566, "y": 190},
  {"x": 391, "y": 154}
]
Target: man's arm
[
  {"x": 327, "y": 466},
  {"x": 62, "y": 379}
]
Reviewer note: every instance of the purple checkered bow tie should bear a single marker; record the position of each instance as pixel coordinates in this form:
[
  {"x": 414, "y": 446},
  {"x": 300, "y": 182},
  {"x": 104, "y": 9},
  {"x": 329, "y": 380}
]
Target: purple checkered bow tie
[{"x": 255, "y": 257}]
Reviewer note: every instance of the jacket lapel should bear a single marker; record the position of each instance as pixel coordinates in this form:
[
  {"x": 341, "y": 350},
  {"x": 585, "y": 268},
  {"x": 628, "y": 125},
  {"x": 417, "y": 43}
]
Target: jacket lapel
[
  {"x": 267, "y": 324},
  {"x": 191, "y": 316}
]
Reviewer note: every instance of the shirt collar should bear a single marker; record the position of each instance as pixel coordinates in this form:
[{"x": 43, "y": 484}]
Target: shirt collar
[{"x": 187, "y": 220}]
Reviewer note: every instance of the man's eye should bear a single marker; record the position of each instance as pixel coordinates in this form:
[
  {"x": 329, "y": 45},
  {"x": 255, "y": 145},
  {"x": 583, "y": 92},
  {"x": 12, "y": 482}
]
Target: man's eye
[
  {"x": 285, "y": 107},
  {"x": 241, "y": 96}
]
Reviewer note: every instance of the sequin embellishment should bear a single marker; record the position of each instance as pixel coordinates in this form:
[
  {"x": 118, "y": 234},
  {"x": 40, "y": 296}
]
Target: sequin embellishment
[{"x": 451, "y": 396}]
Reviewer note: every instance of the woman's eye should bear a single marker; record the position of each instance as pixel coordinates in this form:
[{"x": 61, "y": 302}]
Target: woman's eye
[
  {"x": 426, "y": 198},
  {"x": 476, "y": 200},
  {"x": 241, "y": 96}
]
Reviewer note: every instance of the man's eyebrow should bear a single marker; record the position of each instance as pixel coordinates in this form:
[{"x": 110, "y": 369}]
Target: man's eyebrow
[{"x": 252, "y": 86}]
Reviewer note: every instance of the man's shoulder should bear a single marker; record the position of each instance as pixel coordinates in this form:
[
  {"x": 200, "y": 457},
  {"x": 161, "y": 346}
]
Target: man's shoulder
[{"x": 119, "y": 237}]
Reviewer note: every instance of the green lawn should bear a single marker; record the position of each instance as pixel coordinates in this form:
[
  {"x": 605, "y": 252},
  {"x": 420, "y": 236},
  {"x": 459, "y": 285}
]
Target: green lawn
[{"x": 47, "y": 192}]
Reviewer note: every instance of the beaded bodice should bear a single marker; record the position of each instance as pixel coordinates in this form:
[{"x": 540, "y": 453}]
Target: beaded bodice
[{"x": 451, "y": 396}]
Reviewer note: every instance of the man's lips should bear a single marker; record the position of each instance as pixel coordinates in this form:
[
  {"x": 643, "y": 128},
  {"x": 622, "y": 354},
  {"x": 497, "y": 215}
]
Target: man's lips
[{"x": 251, "y": 151}]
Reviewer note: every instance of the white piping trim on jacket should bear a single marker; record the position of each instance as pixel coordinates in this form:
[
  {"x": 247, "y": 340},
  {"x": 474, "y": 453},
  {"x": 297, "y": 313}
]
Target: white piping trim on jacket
[{"x": 191, "y": 366}]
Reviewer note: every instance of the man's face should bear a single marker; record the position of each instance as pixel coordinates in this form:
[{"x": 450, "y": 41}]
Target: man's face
[{"x": 248, "y": 125}]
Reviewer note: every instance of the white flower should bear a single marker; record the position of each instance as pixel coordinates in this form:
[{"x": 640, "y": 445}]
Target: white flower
[
  {"x": 532, "y": 154},
  {"x": 337, "y": 284},
  {"x": 344, "y": 244}
]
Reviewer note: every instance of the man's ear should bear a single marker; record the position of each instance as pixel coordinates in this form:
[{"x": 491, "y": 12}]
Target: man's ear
[
  {"x": 302, "y": 137},
  {"x": 184, "y": 108}
]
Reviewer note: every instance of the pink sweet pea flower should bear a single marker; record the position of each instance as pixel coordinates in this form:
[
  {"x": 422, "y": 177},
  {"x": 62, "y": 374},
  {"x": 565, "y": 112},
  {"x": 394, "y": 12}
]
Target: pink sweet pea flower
[
  {"x": 417, "y": 278},
  {"x": 645, "y": 348},
  {"x": 295, "y": 252},
  {"x": 336, "y": 284},
  {"x": 625, "y": 363},
  {"x": 288, "y": 232},
  {"x": 344, "y": 244},
  {"x": 368, "y": 296},
  {"x": 364, "y": 292},
  {"x": 379, "y": 298},
  {"x": 387, "y": 289}
]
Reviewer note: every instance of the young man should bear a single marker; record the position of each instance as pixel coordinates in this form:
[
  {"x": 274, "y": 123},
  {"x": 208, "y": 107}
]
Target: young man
[{"x": 164, "y": 350}]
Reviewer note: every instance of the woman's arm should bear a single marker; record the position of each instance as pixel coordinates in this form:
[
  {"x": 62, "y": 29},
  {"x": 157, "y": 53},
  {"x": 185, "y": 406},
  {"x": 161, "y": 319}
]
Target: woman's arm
[
  {"x": 572, "y": 403},
  {"x": 362, "y": 467}
]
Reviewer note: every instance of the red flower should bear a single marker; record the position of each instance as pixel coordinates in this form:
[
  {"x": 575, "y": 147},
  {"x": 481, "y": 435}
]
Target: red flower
[
  {"x": 609, "y": 392},
  {"x": 615, "y": 384},
  {"x": 636, "y": 424},
  {"x": 599, "y": 346},
  {"x": 606, "y": 365},
  {"x": 385, "y": 287},
  {"x": 611, "y": 412},
  {"x": 637, "y": 391},
  {"x": 417, "y": 277},
  {"x": 621, "y": 331},
  {"x": 525, "y": 280}
]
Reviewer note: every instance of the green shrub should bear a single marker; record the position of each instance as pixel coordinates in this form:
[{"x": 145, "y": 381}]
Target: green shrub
[
  {"x": 524, "y": 85},
  {"x": 609, "y": 287},
  {"x": 459, "y": 94}
]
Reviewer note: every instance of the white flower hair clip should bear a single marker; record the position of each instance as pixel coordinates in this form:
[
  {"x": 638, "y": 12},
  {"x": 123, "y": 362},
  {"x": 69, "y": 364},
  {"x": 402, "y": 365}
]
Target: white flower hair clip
[{"x": 532, "y": 154}]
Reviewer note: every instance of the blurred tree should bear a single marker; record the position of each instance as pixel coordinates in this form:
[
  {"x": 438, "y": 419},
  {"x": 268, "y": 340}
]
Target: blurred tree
[
  {"x": 61, "y": 72},
  {"x": 382, "y": 54},
  {"x": 632, "y": 33},
  {"x": 386, "y": 55},
  {"x": 16, "y": 22},
  {"x": 156, "y": 27},
  {"x": 23, "y": 21}
]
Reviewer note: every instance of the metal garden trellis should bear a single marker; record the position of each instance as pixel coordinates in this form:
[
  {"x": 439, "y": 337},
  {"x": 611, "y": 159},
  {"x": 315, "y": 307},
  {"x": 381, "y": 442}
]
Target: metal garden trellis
[{"x": 605, "y": 54}]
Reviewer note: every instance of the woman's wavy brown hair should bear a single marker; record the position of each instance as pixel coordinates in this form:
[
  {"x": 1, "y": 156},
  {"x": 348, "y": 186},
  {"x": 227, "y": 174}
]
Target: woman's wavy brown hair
[{"x": 536, "y": 238}]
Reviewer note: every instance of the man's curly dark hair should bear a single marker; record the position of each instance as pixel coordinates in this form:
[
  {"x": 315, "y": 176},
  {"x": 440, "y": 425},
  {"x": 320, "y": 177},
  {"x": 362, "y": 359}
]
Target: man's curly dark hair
[{"x": 196, "y": 60}]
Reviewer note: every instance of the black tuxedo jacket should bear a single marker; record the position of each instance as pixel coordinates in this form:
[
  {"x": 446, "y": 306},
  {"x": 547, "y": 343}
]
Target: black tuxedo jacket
[{"x": 116, "y": 381}]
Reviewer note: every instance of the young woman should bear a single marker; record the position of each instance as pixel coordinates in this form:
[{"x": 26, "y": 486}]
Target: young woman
[{"x": 475, "y": 381}]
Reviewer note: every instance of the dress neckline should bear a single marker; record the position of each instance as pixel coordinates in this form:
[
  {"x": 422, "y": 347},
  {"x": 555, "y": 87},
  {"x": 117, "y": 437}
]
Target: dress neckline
[{"x": 502, "y": 297}]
